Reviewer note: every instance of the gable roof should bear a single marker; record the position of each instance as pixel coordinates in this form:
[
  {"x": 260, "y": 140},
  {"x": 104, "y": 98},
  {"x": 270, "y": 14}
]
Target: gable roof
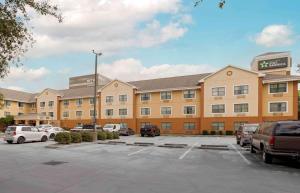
[
  {"x": 15, "y": 95},
  {"x": 269, "y": 78},
  {"x": 169, "y": 83},
  {"x": 128, "y": 84},
  {"x": 81, "y": 92}
]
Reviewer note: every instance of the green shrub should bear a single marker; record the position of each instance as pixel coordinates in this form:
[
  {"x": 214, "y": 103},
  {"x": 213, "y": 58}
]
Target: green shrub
[
  {"x": 213, "y": 132},
  {"x": 109, "y": 135},
  {"x": 101, "y": 135},
  {"x": 76, "y": 137},
  {"x": 63, "y": 138},
  {"x": 220, "y": 132},
  {"x": 116, "y": 135},
  {"x": 87, "y": 136},
  {"x": 204, "y": 132},
  {"x": 229, "y": 132}
]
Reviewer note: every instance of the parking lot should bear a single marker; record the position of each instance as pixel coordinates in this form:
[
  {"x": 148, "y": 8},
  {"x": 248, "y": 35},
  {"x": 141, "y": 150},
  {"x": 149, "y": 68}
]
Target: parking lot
[{"x": 107, "y": 168}]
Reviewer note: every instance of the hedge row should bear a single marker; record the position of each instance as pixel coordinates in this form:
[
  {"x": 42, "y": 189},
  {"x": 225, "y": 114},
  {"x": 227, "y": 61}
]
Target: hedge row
[
  {"x": 77, "y": 137},
  {"x": 205, "y": 132}
]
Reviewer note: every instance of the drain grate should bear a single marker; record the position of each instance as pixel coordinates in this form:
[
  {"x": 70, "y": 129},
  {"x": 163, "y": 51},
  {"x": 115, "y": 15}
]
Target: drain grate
[{"x": 54, "y": 163}]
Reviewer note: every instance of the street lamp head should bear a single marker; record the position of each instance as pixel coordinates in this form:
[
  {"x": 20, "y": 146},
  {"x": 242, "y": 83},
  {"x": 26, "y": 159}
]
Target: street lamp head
[{"x": 99, "y": 53}]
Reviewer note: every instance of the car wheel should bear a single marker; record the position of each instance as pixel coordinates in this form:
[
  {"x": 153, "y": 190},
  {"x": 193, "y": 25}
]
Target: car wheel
[
  {"x": 267, "y": 158},
  {"x": 238, "y": 142},
  {"x": 242, "y": 144},
  {"x": 44, "y": 139},
  {"x": 52, "y": 136},
  {"x": 142, "y": 135},
  {"x": 252, "y": 150},
  {"x": 21, "y": 140},
  {"x": 10, "y": 142}
]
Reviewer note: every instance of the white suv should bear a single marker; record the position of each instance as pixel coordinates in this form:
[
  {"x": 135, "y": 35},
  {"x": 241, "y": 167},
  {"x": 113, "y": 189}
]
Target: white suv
[
  {"x": 52, "y": 131},
  {"x": 21, "y": 134}
]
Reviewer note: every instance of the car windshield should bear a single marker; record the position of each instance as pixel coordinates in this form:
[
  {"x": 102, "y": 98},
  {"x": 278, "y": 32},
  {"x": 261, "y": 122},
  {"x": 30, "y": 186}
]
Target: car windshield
[{"x": 11, "y": 129}]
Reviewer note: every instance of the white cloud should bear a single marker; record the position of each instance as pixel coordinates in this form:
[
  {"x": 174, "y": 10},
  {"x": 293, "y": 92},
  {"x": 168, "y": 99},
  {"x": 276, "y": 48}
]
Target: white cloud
[
  {"x": 19, "y": 74},
  {"x": 133, "y": 69},
  {"x": 108, "y": 25},
  {"x": 275, "y": 35}
]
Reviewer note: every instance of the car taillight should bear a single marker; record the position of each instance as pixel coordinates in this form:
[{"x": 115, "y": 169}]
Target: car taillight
[
  {"x": 272, "y": 140},
  {"x": 14, "y": 133}
]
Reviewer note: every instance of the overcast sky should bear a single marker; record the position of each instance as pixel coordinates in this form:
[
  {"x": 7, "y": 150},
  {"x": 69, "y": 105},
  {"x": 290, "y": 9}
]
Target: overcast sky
[{"x": 142, "y": 39}]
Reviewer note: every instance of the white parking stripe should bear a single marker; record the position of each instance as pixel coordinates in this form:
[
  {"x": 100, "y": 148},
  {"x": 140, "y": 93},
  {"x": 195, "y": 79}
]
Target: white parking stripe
[
  {"x": 187, "y": 151},
  {"x": 244, "y": 158},
  {"x": 136, "y": 152}
]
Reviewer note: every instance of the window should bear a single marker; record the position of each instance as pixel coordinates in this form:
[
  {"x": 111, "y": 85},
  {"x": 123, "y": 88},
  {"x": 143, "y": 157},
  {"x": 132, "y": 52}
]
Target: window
[
  {"x": 189, "y": 125},
  {"x": 166, "y": 110},
  {"x": 66, "y": 103},
  {"x": 78, "y": 113},
  {"x": 218, "y": 91},
  {"x": 236, "y": 125},
  {"x": 109, "y": 99},
  {"x": 145, "y": 111},
  {"x": 92, "y": 101},
  {"x": 92, "y": 113},
  {"x": 44, "y": 113},
  {"x": 78, "y": 102},
  {"x": 19, "y": 114},
  {"x": 143, "y": 124},
  {"x": 189, "y": 94},
  {"x": 123, "y": 98},
  {"x": 66, "y": 114},
  {"x": 51, "y": 103},
  {"x": 278, "y": 87},
  {"x": 217, "y": 126},
  {"x": 242, "y": 89},
  {"x": 123, "y": 125},
  {"x": 42, "y": 104},
  {"x": 6, "y": 114},
  {"x": 122, "y": 111},
  {"x": 218, "y": 108},
  {"x": 166, "y": 125},
  {"x": 7, "y": 103},
  {"x": 189, "y": 110},
  {"x": 241, "y": 108},
  {"x": 145, "y": 96},
  {"x": 278, "y": 107},
  {"x": 51, "y": 114},
  {"x": 166, "y": 95},
  {"x": 109, "y": 112},
  {"x": 20, "y": 104}
]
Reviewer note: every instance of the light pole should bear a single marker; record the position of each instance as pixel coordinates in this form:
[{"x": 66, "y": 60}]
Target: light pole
[{"x": 95, "y": 90}]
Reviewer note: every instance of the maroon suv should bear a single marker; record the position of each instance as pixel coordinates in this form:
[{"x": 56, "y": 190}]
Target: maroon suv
[
  {"x": 280, "y": 139},
  {"x": 150, "y": 130}
]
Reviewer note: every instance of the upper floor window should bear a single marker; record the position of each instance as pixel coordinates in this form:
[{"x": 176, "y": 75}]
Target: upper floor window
[
  {"x": 123, "y": 98},
  {"x": 20, "y": 104},
  {"x": 109, "y": 112},
  {"x": 109, "y": 99},
  {"x": 241, "y": 108},
  {"x": 218, "y": 108},
  {"x": 189, "y": 94},
  {"x": 66, "y": 103},
  {"x": 189, "y": 110},
  {"x": 145, "y": 96},
  {"x": 145, "y": 111},
  {"x": 166, "y": 95},
  {"x": 278, "y": 107},
  {"x": 51, "y": 103},
  {"x": 66, "y": 114},
  {"x": 7, "y": 103},
  {"x": 278, "y": 87},
  {"x": 78, "y": 113},
  {"x": 42, "y": 104},
  {"x": 78, "y": 102},
  {"x": 166, "y": 110},
  {"x": 92, "y": 100},
  {"x": 122, "y": 111},
  {"x": 51, "y": 114},
  {"x": 218, "y": 91},
  {"x": 242, "y": 89}
]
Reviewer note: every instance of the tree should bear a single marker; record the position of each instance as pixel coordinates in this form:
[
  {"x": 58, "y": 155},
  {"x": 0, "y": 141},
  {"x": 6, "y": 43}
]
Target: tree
[
  {"x": 15, "y": 34},
  {"x": 6, "y": 121},
  {"x": 220, "y": 4}
]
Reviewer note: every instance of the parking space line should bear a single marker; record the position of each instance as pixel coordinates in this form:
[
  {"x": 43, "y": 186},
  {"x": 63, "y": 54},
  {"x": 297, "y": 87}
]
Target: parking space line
[
  {"x": 187, "y": 151},
  {"x": 244, "y": 158},
  {"x": 136, "y": 152}
]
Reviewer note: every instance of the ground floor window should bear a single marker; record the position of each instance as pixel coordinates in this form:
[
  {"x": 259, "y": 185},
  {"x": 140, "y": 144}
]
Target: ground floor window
[
  {"x": 236, "y": 125},
  {"x": 123, "y": 125},
  {"x": 218, "y": 126},
  {"x": 143, "y": 124},
  {"x": 166, "y": 125},
  {"x": 189, "y": 125}
]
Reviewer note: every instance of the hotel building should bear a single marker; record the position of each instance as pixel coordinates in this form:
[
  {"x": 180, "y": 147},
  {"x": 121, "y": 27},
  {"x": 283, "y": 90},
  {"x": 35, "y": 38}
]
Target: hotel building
[{"x": 177, "y": 105}]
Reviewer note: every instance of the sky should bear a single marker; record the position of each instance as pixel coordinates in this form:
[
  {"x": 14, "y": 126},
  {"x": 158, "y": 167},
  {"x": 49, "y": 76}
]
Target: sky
[{"x": 144, "y": 39}]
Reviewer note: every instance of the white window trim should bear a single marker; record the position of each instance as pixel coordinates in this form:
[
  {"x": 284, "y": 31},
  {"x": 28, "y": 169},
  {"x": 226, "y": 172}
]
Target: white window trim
[
  {"x": 287, "y": 106},
  {"x": 166, "y": 99},
  {"x": 190, "y": 106},
  {"x": 126, "y": 111},
  {"x": 166, "y": 107},
  {"x": 269, "y": 88},
  {"x": 241, "y": 85},
  {"x": 145, "y": 108},
  {"x": 211, "y": 92},
  {"x": 66, "y": 112},
  {"x": 145, "y": 100},
  {"x": 217, "y": 104},
  {"x": 109, "y": 96},
  {"x": 106, "y": 113},
  {"x": 77, "y": 115},
  {"x": 126, "y": 98},
  {"x": 240, "y": 104},
  {"x": 195, "y": 90}
]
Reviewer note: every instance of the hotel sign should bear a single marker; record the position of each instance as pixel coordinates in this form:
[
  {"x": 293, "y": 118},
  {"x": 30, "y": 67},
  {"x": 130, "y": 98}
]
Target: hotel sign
[{"x": 273, "y": 63}]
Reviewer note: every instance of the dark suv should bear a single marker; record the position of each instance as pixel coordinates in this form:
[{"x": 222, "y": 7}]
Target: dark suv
[
  {"x": 277, "y": 139},
  {"x": 150, "y": 130}
]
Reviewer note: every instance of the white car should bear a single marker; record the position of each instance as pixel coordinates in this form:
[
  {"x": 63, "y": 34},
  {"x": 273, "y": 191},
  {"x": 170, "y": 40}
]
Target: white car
[
  {"x": 43, "y": 127},
  {"x": 52, "y": 131},
  {"x": 20, "y": 134},
  {"x": 111, "y": 127}
]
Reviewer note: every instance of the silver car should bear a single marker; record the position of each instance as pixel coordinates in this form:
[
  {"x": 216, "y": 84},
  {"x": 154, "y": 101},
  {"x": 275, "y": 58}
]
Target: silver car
[{"x": 245, "y": 132}]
